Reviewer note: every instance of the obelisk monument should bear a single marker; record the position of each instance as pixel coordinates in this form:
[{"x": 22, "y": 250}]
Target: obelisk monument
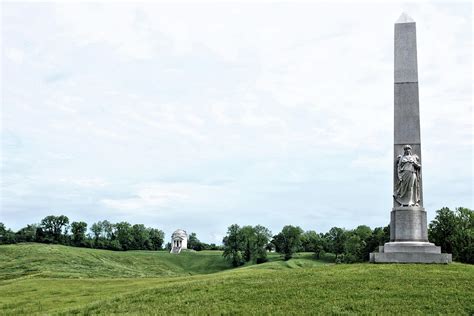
[{"x": 408, "y": 224}]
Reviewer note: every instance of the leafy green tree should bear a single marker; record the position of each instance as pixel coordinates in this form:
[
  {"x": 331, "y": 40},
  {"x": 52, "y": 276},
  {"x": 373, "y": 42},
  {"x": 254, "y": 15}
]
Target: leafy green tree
[
  {"x": 27, "y": 234},
  {"x": 465, "y": 235},
  {"x": 157, "y": 238},
  {"x": 124, "y": 233},
  {"x": 454, "y": 232},
  {"x": 194, "y": 243},
  {"x": 442, "y": 230},
  {"x": 97, "y": 230},
  {"x": 213, "y": 246},
  {"x": 353, "y": 247},
  {"x": 6, "y": 235},
  {"x": 379, "y": 236},
  {"x": 254, "y": 242},
  {"x": 233, "y": 243},
  {"x": 309, "y": 240},
  {"x": 288, "y": 241},
  {"x": 363, "y": 232},
  {"x": 40, "y": 235},
  {"x": 107, "y": 230},
  {"x": 55, "y": 227},
  {"x": 248, "y": 242},
  {"x": 261, "y": 239},
  {"x": 313, "y": 242},
  {"x": 78, "y": 230},
  {"x": 140, "y": 237},
  {"x": 336, "y": 238},
  {"x": 114, "y": 245}
]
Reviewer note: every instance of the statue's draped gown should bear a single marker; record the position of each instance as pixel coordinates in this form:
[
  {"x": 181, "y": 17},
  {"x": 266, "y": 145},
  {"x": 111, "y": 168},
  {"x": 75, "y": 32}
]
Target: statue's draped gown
[{"x": 407, "y": 191}]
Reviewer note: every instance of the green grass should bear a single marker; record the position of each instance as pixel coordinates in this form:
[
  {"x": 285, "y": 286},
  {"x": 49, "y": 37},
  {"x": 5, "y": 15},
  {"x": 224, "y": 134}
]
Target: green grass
[
  {"x": 56, "y": 261},
  {"x": 138, "y": 283}
]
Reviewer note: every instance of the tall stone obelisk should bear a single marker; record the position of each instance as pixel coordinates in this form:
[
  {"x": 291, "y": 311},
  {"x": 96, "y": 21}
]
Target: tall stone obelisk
[{"x": 408, "y": 224}]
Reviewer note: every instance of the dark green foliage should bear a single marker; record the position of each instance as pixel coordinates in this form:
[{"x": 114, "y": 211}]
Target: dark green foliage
[
  {"x": 246, "y": 244},
  {"x": 379, "y": 236},
  {"x": 354, "y": 245},
  {"x": 6, "y": 235},
  {"x": 260, "y": 239},
  {"x": 157, "y": 238},
  {"x": 124, "y": 236},
  {"x": 107, "y": 229},
  {"x": 78, "y": 230},
  {"x": 97, "y": 230},
  {"x": 233, "y": 245},
  {"x": 288, "y": 241},
  {"x": 140, "y": 237},
  {"x": 27, "y": 234},
  {"x": 55, "y": 228},
  {"x": 194, "y": 243},
  {"x": 124, "y": 233},
  {"x": 247, "y": 233},
  {"x": 454, "y": 232},
  {"x": 336, "y": 238},
  {"x": 353, "y": 248},
  {"x": 442, "y": 230},
  {"x": 105, "y": 235}
]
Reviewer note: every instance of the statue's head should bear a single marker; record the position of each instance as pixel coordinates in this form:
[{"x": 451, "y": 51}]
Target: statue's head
[{"x": 407, "y": 149}]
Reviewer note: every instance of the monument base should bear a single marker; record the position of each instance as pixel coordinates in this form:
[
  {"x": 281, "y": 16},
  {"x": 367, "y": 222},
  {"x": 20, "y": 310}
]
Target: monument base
[
  {"x": 410, "y": 252},
  {"x": 408, "y": 223}
]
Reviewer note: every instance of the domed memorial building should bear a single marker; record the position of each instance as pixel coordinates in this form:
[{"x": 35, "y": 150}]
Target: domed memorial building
[{"x": 179, "y": 241}]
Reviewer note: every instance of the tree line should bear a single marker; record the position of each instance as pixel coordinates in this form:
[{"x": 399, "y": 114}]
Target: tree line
[
  {"x": 452, "y": 230},
  {"x": 251, "y": 244},
  {"x": 103, "y": 234}
]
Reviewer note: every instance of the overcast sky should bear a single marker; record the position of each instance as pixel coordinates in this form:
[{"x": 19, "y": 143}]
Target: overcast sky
[{"x": 201, "y": 116}]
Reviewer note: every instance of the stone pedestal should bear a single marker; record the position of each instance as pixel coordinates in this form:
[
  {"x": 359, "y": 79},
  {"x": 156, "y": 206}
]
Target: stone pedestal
[
  {"x": 410, "y": 252},
  {"x": 408, "y": 224},
  {"x": 409, "y": 240},
  {"x": 410, "y": 257}
]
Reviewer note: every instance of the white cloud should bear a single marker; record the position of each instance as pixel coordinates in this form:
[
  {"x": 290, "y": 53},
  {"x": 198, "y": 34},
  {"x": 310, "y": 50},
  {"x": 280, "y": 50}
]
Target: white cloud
[
  {"x": 85, "y": 182},
  {"x": 225, "y": 111},
  {"x": 15, "y": 54}
]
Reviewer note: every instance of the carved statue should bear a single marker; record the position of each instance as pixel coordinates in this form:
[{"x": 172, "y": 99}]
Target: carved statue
[{"x": 407, "y": 188}]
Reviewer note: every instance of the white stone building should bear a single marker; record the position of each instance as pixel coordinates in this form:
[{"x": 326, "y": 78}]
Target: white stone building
[{"x": 179, "y": 241}]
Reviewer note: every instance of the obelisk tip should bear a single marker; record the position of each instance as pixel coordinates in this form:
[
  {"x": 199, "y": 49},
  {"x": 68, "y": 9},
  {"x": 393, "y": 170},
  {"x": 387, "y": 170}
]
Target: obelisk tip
[{"x": 404, "y": 18}]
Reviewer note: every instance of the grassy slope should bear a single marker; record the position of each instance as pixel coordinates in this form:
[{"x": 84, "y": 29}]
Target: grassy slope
[
  {"x": 55, "y": 261},
  {"x": 300, "y": 285}
]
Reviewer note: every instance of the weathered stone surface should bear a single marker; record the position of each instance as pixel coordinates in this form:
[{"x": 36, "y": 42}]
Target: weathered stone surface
[
  {"x": 408, "y": 224},
  {"x": 410, "y": 257},
  {"x": 406, "y": 68},
  {"x": 410, "y": 246},
  {"x": 406, "y": 114}
]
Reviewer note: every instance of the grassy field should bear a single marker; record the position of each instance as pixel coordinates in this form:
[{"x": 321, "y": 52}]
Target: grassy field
[
  {"x": 42, "y": 279},
  {"x": 56, "y": 261}
]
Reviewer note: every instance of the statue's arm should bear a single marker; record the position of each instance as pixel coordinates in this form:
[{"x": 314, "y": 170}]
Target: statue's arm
[{"x": 417, "y": 162}]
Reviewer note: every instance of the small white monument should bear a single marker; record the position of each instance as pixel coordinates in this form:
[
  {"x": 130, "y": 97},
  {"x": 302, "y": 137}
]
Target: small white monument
[{"x": 179, "y": 241}]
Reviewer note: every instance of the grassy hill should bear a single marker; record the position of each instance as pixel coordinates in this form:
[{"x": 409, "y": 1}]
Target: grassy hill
[
  {"x": 46, "y": 279},
  {"x": 56, "y": 261}
]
